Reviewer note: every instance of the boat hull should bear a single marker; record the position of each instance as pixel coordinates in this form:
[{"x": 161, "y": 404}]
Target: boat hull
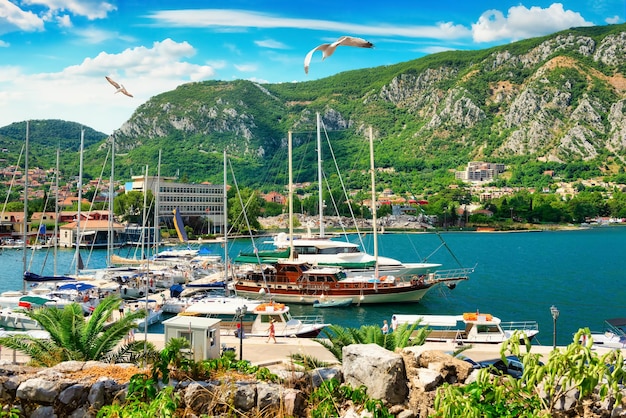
[{"x": 368, "y": 296}]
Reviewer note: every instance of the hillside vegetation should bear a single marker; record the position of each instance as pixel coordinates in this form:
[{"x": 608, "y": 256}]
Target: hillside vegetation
[{"x": 553, "y": 102}]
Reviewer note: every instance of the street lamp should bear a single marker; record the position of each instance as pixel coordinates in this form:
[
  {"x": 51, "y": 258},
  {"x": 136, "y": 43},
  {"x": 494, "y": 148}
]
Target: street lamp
[
  {"x": 555, "y": 315},
  {"x": 240, "y": 312}
]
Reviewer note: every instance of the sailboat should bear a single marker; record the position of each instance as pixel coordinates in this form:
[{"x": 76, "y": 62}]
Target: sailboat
[
  {"x": 297, "y": 281},
  {"x": 323, "y": 251}
]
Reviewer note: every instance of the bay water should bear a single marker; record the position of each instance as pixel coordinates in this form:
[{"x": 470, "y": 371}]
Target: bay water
[{"x": 518, "y": 276}]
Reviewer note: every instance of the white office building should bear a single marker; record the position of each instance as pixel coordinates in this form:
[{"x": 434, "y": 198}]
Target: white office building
[{"x": 191, "y": 200}]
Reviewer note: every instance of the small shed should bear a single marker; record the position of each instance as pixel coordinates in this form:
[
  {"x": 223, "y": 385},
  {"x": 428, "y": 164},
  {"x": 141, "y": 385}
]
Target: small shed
[{"x": 202, "y": 333}]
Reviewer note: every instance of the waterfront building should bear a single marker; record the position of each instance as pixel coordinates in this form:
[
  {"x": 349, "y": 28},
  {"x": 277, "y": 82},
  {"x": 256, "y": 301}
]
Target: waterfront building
[{"x": 191, "y": 200}]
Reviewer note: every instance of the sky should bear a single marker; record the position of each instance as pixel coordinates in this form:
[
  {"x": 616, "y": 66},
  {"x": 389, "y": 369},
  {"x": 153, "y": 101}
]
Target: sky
[{"x": 54, "y": 54}]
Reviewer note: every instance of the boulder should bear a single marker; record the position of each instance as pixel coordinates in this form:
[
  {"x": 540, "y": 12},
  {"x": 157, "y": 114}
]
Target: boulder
[
  {"x": 379, "y": 370},
  {"x": 38, "y": 390}
]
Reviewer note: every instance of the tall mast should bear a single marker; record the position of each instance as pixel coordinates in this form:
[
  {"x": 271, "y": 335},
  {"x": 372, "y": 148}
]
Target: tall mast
[
  {"x": 80, "y": 198},
  {"x": 143, "y": 215},
  {"x": 111, "y": 236},
  {"x": 320, "y": 175},
  {"x": 225, "y": 221},
  {"x": 157, "y": 232},
  {"x": 25, "y": 193},
  {"x": 290, "y": 198},
  {"x": 56, "y": 214},
  {"x": 373, "y": 178}
]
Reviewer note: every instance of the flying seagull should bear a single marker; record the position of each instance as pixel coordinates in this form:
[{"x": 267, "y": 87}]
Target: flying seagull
[
  {"x": 120, "y": 87},
  {"x": 328, "y": 49}
]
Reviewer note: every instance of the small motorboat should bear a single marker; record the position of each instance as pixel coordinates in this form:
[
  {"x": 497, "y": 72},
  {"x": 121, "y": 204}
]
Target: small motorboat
[{"x": 332, "y": 303}]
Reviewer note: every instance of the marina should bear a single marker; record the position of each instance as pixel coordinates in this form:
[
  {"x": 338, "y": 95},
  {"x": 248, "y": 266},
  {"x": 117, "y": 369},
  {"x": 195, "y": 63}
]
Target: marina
[{"x": 517, "y": 276}]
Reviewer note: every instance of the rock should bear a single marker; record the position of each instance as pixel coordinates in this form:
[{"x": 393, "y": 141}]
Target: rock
[
  {"x": 294, "y": 403},
  {"x": 198, "y": 397},
  {"x": 74, "y": 394},
  {"x": 428, "y": 379},
  {"x": 96, "y": 395},
  {"x": 38, "y": 390},
  {"x": 43, "y": 412},
  {"x": 322, "y": 374},
  {"x": 268, "y": 397},
  {"x": 380, "y": 370},
  {"x": 244, "y": 398}
]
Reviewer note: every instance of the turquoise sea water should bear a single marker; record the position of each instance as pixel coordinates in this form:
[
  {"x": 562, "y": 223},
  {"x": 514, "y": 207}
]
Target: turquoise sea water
[{"x": 518, "y": 276}]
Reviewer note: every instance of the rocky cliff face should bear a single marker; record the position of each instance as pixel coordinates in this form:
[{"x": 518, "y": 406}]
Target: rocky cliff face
[{"x": 559, "y": 98}]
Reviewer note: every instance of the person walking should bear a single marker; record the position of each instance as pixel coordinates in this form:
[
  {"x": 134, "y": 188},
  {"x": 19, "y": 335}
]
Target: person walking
[
  {"x": 272, "y": 332},
  {"x": 394, "y": 323}
]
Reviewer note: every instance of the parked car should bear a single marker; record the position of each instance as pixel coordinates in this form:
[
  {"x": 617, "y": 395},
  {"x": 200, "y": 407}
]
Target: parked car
[{"x": 513, "y": 366}]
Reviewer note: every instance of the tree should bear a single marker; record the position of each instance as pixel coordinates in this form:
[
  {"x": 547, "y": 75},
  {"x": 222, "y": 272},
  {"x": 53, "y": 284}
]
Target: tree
[
  {"x": 243, "y": 210},
  {"x": 73, "y": 337},
  {"x": 129, "y": 206}
]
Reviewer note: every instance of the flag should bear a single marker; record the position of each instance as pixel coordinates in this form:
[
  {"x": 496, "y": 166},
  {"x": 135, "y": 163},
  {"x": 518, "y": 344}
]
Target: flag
[
  {"x": 178, "y": 224},
  {"x": 42, "y": 229}
]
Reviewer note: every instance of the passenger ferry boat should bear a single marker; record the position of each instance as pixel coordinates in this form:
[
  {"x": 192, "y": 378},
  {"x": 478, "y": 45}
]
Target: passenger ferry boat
[
  {"x": 470, "y": 328},
  {"x": 257, "y": 317}
]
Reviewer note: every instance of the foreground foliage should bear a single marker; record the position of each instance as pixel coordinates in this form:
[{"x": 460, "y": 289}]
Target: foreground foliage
[
  {"x": 147, "y": 398},
  {"x": 331, "y": 396},
  {"x": 404, "y": 336},
  {"x": 74, "y": 337},
  {"x": 573, "y": 369}
]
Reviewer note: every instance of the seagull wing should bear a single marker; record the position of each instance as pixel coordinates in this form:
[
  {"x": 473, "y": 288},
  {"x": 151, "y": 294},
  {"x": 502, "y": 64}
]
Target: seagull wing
[
  {"x": 307, "y": 59},
  {"x": 353, "y": 41},
  {"x": 113, "y": 83},
  {"x": 124, "y": 91}
]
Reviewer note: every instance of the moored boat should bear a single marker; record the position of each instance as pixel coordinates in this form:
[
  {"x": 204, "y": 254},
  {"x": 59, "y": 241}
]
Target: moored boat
[
  {"x": 296, "y": 281},
  {"x": 470, "y": 328},
  {"x": 257, "y": 317},
  {"x": 612, "y": 336}
]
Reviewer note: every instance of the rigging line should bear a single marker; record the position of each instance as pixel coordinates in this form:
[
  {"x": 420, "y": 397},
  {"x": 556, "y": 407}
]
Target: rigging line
[
  {"x": 92, "y": 203},
  {"x": 32, "y": 257},
  {"x": 6, "y": 201},
  {"x": 343, "y": 188},
  {"x": 247, "y": 221}
]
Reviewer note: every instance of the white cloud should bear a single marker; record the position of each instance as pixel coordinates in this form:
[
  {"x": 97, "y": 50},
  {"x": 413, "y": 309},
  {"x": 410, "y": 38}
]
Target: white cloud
[
  {"x": 64, "y": 21},
  {"x": 271, "y": 43},
  {"x": 96, "y": 36},
  {"x": 91, "y": 9},
  {"x": 522, "y": 23},
  {"x": 612, "y": 20},
  {"x": 80, "y": 93},
  {"x": 246, "y": 68},
  {"x": 225, "y": 18},
  {"x": 3, "y": 44},
  {"x": 13, "y": 18}
]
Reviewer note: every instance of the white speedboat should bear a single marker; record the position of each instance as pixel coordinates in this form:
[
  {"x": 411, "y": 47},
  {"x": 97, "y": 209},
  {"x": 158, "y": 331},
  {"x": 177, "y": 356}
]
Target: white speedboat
[
  {"x": 613, "y": 335},
  {"x": 470, "y": 328},
  {"x": 257, "y": 317},
  {"x": 17, "y": 320}
]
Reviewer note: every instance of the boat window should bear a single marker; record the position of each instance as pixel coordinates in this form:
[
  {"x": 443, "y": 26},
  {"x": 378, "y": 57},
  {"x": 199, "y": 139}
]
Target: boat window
[
  {"x": 484, "y": 329},
  {"x": 306, "y": 249}
]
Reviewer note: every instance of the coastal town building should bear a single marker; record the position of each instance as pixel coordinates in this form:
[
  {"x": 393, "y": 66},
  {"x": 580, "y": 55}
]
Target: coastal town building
[
  {"x": 478, "y": 171},
  {"x": 189, "y": 199}
]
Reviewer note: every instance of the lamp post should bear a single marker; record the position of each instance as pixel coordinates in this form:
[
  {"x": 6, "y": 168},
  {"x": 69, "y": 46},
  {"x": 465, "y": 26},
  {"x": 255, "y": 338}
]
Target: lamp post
[
  {"x": 555, "y": 315},
  {"x": 241, "y": 312}
]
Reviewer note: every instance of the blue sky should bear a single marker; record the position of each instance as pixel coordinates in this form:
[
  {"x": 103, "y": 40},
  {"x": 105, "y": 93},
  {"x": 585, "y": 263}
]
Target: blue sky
[{"x": 54, "y": 54}]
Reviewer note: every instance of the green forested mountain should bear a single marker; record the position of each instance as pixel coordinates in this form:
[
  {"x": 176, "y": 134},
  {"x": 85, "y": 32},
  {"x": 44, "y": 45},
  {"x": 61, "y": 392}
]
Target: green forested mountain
[
  {"x": 555, "y": 102},
  {"x": 45, "y": 136}
]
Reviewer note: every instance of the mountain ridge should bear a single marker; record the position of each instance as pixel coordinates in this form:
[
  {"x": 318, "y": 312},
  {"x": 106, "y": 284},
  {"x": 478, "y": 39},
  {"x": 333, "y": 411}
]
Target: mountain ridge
[{"x": 555, "y": 99}]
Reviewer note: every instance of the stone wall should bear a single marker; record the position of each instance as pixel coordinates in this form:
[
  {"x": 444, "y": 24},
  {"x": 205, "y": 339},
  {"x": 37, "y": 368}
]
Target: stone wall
[{"x": 406, "y": 381}]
